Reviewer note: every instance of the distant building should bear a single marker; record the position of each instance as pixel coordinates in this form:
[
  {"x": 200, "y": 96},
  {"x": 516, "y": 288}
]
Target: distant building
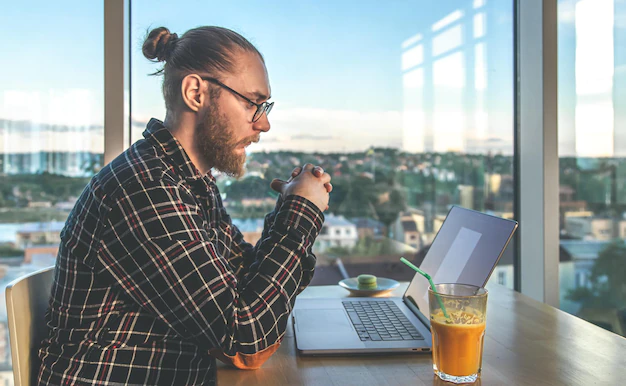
[
  {"x": 410, "y": 227},
  {"x": 41, "y": 255},
  {"x": 39, "y": 233},
  {"x": 336, "y": 232},
  {"x": 412, "y": 235},
  {"x": 584, "y": 225},
  {"x": 584, "y": 253},
  {"x": 367, "y": 227},
  {"x": 74, "y": 164}
]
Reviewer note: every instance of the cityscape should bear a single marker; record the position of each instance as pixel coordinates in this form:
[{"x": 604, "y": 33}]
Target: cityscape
[
  {"x": 386, "y": 203},
  {"x": 409, "y": 117}
]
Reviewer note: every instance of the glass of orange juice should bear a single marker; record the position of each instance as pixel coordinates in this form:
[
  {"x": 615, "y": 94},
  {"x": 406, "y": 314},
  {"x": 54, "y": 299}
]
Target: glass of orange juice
[{"x": 457, "y": 319}]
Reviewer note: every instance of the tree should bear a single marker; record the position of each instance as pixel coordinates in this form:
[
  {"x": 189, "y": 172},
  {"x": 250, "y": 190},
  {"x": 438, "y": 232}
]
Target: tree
[
  {"x": 360, "y": 196},
  {"x": 389, "y": 209},
  {"x": 608, "y": 280},
  {"x": 9, "y": 251},
  {"x": 356, "y": 198},
  {"x": 249, "y": 187}
]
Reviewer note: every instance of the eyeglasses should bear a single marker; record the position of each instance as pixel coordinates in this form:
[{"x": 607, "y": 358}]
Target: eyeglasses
[{"x": 261, "y": 108}]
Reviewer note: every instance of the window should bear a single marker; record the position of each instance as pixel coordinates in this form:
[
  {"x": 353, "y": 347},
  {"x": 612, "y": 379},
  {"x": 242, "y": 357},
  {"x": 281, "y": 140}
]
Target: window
[
  {"x": 502, "y": 278},
  {"x": 592, "y": 151},
  {"x": 581, "y": 279},
  {"x": 51, "y": 131},
  {"x": 410, "y": 108}
]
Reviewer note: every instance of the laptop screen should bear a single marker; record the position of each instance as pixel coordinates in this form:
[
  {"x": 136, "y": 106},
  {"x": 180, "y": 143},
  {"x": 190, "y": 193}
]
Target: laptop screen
[{"x": 465, "y": 250}]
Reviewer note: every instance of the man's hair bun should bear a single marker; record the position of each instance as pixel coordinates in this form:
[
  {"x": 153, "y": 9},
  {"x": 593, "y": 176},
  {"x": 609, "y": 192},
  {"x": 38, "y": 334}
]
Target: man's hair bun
[{"x": 159, "y": 44}]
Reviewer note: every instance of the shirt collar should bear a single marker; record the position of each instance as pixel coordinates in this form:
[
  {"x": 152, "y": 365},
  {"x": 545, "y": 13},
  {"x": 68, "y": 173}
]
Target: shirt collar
[{"x": 166, "y": 143}]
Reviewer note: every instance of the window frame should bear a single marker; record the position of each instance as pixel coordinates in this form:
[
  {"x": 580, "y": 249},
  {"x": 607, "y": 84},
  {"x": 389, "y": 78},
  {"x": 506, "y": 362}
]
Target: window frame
[
  {"x": 536, "y": 150},
  {"x": 535, "y": 132},
  {"x": 117, "y": 90}
]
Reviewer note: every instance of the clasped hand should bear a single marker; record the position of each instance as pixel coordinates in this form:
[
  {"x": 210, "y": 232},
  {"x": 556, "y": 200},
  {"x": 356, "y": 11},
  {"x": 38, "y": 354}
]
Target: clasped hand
[{"x": 310, "y": 182}]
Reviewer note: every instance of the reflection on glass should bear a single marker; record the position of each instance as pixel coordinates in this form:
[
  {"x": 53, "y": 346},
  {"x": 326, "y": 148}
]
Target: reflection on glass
[
  {"x": 409, "y": 108},
  {"x": 592, "y": 147},
  {"x": 51, "y": 132}
]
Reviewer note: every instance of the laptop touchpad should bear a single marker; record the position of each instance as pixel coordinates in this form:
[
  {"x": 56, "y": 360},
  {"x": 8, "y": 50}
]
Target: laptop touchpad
[{"x": 329, "y": 320}]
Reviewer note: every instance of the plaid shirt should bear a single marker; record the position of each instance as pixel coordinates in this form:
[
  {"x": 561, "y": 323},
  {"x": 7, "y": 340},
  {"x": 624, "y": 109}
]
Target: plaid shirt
[{"x": 153, "y": 281}]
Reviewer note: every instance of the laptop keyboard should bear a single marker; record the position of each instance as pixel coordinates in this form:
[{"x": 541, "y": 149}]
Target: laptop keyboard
[{"x": 380, "y": 320}]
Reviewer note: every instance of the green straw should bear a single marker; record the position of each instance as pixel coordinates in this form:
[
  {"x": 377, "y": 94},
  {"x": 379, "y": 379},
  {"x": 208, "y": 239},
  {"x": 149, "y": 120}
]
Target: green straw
[{"x": 432, "y": 285}]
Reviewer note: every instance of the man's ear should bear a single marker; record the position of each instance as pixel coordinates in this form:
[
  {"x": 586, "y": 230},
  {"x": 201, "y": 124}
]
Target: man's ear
[{"x": 193, "y": 90}]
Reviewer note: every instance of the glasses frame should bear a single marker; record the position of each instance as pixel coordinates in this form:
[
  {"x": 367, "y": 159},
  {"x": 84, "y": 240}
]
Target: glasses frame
[{"x": 264, "y": 107}]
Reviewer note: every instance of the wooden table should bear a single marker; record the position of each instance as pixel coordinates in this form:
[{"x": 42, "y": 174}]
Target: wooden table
[{"x": 527, "y": 343}]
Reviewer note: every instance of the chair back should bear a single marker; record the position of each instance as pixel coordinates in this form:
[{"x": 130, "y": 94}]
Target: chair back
[{"x": 27, "y": 301}]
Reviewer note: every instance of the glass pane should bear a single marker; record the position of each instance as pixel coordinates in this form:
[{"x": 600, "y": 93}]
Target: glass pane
[
  {"x": 409, "y": 106},
  {"x": 51, "y": 131},
  {"x": 592, "y": 151}
]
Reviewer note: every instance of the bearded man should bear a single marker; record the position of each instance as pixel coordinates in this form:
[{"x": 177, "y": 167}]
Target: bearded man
[{"x": 153, "y": 281}]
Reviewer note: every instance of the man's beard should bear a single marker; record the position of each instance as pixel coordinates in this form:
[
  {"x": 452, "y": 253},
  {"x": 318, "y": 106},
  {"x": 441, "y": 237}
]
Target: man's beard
[{"x": 217, "y": 144}]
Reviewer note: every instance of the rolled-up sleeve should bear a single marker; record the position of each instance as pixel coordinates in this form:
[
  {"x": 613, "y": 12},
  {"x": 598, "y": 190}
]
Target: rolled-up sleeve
[{"x": 157, "y": 248}]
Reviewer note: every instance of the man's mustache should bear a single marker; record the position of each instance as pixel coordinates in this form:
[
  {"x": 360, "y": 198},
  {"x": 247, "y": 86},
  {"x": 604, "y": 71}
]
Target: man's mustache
[{"x": 245, "y": 141}]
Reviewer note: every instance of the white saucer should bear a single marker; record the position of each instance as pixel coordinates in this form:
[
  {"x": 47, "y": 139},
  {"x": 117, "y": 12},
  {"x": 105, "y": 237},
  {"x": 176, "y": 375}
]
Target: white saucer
[{"x": 383, "y": 286}]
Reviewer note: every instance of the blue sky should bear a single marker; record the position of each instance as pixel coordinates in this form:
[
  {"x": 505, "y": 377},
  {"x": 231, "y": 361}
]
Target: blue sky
[
  {"x": 52, "y": 45},
  {"x": 335, "y": 66},
  {"x": 327, "y": 54}
]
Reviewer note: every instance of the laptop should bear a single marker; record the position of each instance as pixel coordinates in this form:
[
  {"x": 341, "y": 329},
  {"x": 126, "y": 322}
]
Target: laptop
[{"x": 465, "y": 250}]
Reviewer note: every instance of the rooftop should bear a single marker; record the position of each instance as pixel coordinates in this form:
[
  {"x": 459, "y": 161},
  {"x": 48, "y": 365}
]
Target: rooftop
[
  {"x": 332, "y": 220},
  {"x": 584, "y": 249},
  {"x": 52, "y": 226}
]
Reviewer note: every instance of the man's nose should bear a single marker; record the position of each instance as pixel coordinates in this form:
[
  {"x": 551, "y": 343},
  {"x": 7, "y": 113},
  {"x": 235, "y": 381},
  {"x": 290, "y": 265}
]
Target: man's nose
[{"x": 263, "y": 124}]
